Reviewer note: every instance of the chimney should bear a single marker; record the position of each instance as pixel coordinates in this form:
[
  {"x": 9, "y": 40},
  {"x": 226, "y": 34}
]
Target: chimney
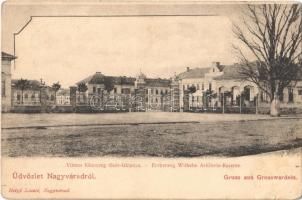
[{"x": 188, "y": 69}]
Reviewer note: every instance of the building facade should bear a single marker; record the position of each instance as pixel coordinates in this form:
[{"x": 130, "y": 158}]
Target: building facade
[
  {"x": 151, "y": 92},
  {"x": 63, "y": 97},
  {"x": 34, "y": 94},
  {"x": 6, "y": 98},
  {"x": 221, "y": 85}
]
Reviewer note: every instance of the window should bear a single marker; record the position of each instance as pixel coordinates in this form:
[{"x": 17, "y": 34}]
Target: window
[
  {"x": 202, "y": 86},
  {"x": 3, "y": 88},
  {"x": 156, "y": 91},
  {"x": 126, "y": 91},
  {"x": 166, "y": 91},
  {"x": 99, "y": 90},
  {"x": 114, "y": 90},
  {"x": 18, "y": 97},
  {"x": 197, "y": 86},
  {"x": 210, "y": 86},
  {"x": 184, "y": 87},
  {"x": 299, "y": 92},
  {"x": 213, "y": 69},
  {"x": 188, "y": 86},
  {"x": 94, "y": 89},
  {"x": 26, "y": 96},
  {"x": 52, "y": 97},
  {"x": 290, "y": 95},
  {"x": 33, "y": 97}
]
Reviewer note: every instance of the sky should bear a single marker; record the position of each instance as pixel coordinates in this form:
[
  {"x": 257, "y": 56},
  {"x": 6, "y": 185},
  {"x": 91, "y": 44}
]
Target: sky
[{"x": 68, "y": 49}]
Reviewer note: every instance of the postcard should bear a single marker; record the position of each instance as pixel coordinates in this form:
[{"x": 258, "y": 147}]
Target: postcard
[{"x": 151, "y": 100}]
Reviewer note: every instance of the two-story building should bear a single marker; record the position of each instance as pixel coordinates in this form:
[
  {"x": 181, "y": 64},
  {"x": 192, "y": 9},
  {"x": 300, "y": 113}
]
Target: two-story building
[
  {"x": 6, "y": 100},
  {"x": 155, "y": 89}
]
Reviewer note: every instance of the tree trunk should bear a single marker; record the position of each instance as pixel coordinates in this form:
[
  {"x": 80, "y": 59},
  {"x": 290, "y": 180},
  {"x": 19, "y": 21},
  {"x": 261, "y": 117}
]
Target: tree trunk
[
  {"x": 55, "y": 98},
  {"x": 275, "y": 106}
]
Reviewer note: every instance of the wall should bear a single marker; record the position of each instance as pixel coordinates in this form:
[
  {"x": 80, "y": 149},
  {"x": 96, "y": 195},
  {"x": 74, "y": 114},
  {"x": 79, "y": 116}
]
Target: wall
[{"x": 6, "y": 81}]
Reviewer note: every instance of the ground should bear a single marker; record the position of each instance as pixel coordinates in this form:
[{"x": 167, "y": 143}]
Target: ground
[{"x": 147, "y": 134}]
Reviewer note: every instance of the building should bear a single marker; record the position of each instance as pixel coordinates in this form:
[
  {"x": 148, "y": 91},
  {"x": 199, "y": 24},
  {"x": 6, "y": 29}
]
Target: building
[
  {"x": 220, "y": 85},
  {"x": 63, "y": 97},
  {"x": 6, "y": 81},
  {"x": 150, "y": 91},
  {"x": 29, "y": 96},
  {"x": 34, "y": 93}
]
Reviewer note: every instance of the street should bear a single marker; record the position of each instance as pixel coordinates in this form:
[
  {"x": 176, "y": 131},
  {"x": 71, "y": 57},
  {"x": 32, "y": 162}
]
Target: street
[{"x": 147, "y": 134}]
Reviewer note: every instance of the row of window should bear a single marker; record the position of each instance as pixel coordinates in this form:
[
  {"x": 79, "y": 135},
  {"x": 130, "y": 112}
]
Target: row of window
[
  {"x": 198, "y": 86},
  {"x": 157, "y": 91},
  {"x": 33, "y": 97},
  {"x": 99, "y": 90},
  {"x": 127, "y": 91}
]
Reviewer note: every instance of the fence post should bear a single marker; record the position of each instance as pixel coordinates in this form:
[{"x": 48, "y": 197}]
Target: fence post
[
  {"x": 223, "y": 102},
  {"x": 256, "y": 104},
  {"x": 240, "y": 103}
]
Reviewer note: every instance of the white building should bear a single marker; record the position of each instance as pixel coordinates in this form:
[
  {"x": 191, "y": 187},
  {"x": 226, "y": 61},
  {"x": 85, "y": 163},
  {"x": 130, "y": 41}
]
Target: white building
[
  {"x": 63, "y": 97},
  {"x": 220, "y": 84},
  {"x": 6, "y": 81}
]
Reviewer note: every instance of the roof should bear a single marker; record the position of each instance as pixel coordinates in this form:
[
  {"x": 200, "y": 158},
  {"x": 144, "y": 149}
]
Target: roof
[
  {"x": 232, "y": 72},
  {"x": 99, "y": 78},
  {"x": 6, "y": 56},
  {"x": 229, "y": 72},
  {"x": 157, "y": 82},
  {"x": 193, "y": 73}
]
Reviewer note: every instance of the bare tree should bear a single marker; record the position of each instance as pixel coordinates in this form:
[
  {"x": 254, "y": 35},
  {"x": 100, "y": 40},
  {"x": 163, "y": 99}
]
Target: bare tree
[{"x": 272, "y": 34}]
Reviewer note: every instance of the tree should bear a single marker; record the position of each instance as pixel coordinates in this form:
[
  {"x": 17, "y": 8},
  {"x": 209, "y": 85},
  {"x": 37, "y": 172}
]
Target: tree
[
  {"x": 82, "y": 88},
  {"x": 272, "y": 34},
  {"x": 22, "y": 85},
  {"x": 56, "y": 86},
  {"x": 109, "y": 84},
  {"x": 192, "y": 89}
]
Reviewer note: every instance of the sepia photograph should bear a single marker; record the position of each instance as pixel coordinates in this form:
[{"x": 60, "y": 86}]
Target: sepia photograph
[{"x": 151, "y": 80}]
